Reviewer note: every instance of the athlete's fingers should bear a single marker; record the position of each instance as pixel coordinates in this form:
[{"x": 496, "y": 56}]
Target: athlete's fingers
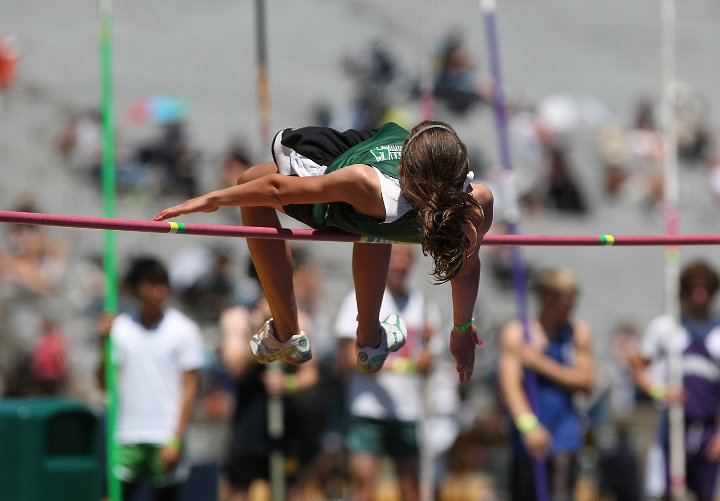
[
  {"x": 477, "y": 339},
  {"x": 168, "y": 213},
  {"x": 465, "y": 366}
]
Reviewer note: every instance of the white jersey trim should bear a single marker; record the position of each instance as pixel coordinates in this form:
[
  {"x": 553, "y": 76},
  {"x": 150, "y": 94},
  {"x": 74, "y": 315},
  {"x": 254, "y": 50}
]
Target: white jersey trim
[{"x": 395, "y": 204}]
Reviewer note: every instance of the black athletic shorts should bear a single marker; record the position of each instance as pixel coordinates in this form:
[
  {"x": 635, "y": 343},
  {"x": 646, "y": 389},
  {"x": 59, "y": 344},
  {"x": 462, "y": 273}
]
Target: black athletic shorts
[{"x": 309, "y": 151}]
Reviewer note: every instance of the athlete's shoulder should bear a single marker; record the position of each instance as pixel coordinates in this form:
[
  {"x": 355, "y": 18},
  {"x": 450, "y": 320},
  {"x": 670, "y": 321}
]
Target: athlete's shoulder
[
  {"x": 391, "y": 132},
  {"x": 482, "y": 193},
  {"x": 355, "y": 173},
  {"x": 393, "y": 126}
]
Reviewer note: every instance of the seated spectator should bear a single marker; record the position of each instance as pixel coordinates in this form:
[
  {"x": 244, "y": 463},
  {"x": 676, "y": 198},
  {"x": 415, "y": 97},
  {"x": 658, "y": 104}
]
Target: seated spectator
[
  {"x": 48, "y": 361},
  {"x": 214, "y": 291},
  {"x": 34, "y": 265},
  {"x": 379, "y": 86},
  {"x": 173, "y": 153},
  {"x": 9, "y": 64},
  {"x": 80, "y": 143},
  {"x": 41, "y": 370},
  {"x": 646, "y": 153},
  {"x": 456, "y": 83},
  {"x": 88, "y": 292},
  {"x": 563, "y": 191},
  {"x": 614, "y": 156},
  {"x": 714, "y": 178},
  {"x": 33, "y": 268},
  {"x": 35, "y": 262},
  {"x": 237, "y": 160},
  {"x": 695, "y": 134}
]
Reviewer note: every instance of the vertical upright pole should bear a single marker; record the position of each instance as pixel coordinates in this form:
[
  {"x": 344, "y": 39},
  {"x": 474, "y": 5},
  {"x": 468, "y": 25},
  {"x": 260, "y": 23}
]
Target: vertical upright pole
[
  {"x": 263, "y": 84},
  {"x": 275, "y": 424},
  {"x": 428, "y": 63},
  {"x": 672, "y": 263},
  {"x": 512, "y": 217},
  {"x": 109, "y": 248},
  {"x": 427, "y": 472},
  {"x": 276, "y": 431}
]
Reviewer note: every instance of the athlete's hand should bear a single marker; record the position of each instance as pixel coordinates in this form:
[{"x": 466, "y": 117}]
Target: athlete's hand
[
  {"x": 462, "y": 347},
  {"x": 203, "y": 203}
]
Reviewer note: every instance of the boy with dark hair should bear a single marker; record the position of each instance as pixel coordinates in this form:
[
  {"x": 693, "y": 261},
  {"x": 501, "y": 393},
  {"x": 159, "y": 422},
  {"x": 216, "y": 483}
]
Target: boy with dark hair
[{"x": 158, "y": 352}]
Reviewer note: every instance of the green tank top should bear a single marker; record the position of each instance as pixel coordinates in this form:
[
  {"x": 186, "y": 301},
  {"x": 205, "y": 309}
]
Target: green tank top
[{"x": 382, "y": 151}]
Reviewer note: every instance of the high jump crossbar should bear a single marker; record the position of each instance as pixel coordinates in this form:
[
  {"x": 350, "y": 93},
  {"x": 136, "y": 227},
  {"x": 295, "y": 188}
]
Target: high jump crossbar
[{"x": 100, "y": 223}]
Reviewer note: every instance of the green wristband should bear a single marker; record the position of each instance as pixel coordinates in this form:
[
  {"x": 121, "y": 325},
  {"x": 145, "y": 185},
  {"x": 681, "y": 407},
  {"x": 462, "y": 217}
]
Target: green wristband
[{"x": 463, "y": 327}]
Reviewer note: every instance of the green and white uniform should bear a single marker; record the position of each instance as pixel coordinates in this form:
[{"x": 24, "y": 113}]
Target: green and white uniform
[{"x": 314, "y": 151}]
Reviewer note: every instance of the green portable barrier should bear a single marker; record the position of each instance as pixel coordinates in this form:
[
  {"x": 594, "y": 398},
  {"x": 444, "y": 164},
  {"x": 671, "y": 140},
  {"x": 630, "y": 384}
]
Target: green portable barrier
[{"x": 49, "y": 450}]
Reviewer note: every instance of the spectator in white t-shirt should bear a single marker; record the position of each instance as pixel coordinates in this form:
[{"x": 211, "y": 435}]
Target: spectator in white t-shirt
[
  {"x": 158, "y": 352},
  {"x": 384, "y": 408}
]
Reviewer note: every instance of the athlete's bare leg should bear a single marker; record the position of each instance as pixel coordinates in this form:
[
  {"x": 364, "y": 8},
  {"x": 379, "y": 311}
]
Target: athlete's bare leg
[
  {"x": 272, "y": 260},
  {"x": 370, "y": 268}
]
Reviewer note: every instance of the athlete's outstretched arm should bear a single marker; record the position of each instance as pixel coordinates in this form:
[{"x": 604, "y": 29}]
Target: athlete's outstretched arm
[{"x": 357, "y": 185}]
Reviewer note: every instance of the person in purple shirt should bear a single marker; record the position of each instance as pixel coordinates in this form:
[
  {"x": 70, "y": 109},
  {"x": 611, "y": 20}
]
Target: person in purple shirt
[{"x": 699, "y": 342}]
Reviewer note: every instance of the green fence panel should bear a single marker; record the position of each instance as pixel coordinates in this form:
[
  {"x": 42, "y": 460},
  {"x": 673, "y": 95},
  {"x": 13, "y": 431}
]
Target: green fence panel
[{"x": 49, "y": 450}]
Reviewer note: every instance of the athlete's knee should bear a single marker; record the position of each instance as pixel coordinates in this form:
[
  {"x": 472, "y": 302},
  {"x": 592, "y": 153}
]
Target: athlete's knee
[
  {"x": 260, "y": 216},
  {"x": 244, "y": 177},
  {"x": 257, "y": 211},
  {"x": 257, "y": 171}
]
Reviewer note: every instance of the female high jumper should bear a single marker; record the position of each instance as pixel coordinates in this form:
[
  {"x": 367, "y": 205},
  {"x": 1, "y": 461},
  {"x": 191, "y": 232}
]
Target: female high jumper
[{"x": 387, "y": 185}]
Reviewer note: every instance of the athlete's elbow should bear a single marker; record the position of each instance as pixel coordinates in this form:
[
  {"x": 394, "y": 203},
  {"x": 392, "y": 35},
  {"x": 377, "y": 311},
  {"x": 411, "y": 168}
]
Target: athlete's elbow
[
  {"x": 470, "y": 270},
  {"x": 277, "y": 194}
]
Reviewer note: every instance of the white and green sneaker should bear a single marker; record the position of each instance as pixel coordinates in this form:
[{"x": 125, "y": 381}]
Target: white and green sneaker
[
  {"x": 393, "y": 335},
  {"x": 266, "y": 348}
]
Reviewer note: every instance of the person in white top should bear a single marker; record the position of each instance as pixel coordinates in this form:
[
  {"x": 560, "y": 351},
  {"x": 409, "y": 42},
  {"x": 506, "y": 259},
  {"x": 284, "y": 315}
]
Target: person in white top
[
  {"x": 384, "y": 408},
  {"x": 158, "y": 352},
  {"x": 697, "y": 340}
]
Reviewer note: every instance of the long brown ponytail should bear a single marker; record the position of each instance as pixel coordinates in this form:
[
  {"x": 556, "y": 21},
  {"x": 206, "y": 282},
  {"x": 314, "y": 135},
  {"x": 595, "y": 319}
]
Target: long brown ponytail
[{"x": 434, "y": 168}]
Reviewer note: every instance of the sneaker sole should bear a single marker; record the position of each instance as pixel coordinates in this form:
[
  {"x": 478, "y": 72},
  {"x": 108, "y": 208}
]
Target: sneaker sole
[
  {"x": 395, "y": 322},
  {"x": 290, "y": 355}
]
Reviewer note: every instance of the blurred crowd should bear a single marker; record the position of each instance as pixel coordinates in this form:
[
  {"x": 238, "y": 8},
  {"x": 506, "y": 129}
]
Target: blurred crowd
[{"x": 410, "y": 430}]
